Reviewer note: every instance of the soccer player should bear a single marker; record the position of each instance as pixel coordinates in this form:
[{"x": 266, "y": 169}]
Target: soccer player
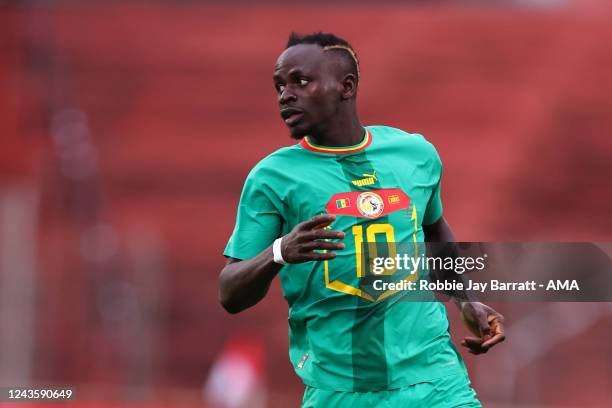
[{"x": 307, "y": 213}]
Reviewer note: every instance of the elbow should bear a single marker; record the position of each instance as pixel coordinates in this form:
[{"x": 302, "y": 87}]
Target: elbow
[
  {"x": 227, "y": 300},
  {"x": 229, "y": 306}
]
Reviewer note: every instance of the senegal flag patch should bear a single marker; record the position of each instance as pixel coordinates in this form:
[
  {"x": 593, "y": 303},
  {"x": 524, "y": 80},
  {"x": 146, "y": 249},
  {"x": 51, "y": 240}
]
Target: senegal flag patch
[{"x": 343, "y": 203}]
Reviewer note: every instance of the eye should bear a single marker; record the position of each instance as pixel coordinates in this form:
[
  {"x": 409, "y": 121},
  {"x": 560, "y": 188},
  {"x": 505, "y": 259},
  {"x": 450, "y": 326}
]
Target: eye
[
  {"x": 280, "y": 88},
  {"x": 303, "y": 82}
]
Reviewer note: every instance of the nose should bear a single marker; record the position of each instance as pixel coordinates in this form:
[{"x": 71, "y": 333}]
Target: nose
[{"x": 286, "y": 95}]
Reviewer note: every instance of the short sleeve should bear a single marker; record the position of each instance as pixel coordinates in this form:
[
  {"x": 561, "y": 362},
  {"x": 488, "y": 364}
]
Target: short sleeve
[
  {"x": 258, "y": 222},
  {"x": 433, "y": 212}
]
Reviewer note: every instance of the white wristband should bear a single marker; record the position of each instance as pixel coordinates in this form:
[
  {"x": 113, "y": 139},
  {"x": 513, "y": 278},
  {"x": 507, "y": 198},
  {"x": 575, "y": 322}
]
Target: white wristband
[{"x": 276, "y": 251}]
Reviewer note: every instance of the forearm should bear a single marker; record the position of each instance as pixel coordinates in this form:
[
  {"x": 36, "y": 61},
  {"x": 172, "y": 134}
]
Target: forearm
[
  {"x": 441, "y": 243},
  {"x": 458, "y": 293},
  {"x": 244, "y": 283}
]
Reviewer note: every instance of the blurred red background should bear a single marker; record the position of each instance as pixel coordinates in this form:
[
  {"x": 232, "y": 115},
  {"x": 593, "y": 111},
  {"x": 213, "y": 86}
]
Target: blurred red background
[{"x": 128, "y": 130}]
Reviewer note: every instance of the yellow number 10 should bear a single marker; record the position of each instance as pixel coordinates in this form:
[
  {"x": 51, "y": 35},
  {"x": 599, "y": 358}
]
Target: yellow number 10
[{"x": 371, "y": 232}]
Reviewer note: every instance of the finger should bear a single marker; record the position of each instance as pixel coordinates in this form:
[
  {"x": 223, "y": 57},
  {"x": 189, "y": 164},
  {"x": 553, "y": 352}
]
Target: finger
[
  {"x": 318, "y": 221},
  {"x": 475, "y": 350},
  {"x": 319, "y": 256},
  {"x": 497, "y": 331},
  {"x": 496, "y": 322},
  {"x": 320, "y": 234},
  {"x": 496, "y": 335},
  {"x": 472, "y": 342},
  {"x": 498, "y": 338},
  {"x": 327, "y": 234},
  {"x": 474, "y": 345},
  {"x": 309, "y": 246}
]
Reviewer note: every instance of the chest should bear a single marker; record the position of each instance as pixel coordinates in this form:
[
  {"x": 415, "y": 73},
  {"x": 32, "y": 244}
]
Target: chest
[{"x": 360, "y": 187}]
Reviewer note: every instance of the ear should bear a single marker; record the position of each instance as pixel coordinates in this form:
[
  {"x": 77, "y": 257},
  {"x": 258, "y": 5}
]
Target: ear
[{"x": 349, "y": 86}]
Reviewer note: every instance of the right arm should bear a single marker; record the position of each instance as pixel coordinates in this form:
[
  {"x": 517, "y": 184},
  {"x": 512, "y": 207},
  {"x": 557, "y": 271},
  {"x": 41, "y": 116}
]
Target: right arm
[{"x": 243, "y": 283}]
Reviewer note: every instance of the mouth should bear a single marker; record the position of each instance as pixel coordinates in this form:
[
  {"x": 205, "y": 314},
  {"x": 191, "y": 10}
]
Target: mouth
[{"x": 291, "y": 116}]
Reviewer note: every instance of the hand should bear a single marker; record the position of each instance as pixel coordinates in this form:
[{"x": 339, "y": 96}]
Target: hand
[
  {"x": 300, "y": 244},
  {"x": 485, "y": 323}
]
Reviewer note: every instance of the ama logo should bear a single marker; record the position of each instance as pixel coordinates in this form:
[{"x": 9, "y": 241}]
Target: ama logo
[{"x": 562, "y": 285}]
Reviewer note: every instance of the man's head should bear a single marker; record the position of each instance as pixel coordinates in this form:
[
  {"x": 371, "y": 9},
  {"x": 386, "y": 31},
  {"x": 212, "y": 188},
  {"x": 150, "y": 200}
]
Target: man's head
[{"x": 316, "y": 78}]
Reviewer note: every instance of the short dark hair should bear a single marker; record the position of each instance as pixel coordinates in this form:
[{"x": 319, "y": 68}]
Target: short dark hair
[{"x": 329, "y": 42}]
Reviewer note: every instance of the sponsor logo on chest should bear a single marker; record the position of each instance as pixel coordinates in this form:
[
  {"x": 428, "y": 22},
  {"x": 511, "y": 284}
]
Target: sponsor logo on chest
[{"x": 368, "y": 180}]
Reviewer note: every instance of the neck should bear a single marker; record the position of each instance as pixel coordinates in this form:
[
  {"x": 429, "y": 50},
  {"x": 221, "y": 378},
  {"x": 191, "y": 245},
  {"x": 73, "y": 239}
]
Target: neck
[{"x": 346, "y": 130}]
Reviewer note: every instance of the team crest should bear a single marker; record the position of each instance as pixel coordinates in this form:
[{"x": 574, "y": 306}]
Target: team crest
[{"x": 370, "y": 204}]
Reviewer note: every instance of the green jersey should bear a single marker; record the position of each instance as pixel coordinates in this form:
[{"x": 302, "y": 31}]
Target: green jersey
[{"x": 344, "y": 337}]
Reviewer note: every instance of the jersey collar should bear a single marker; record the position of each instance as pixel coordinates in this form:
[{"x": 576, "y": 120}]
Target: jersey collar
[{"x": 308, "y": 145}]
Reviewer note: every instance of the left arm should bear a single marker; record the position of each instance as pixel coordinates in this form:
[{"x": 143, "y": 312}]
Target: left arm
[{"x": 482, "y": 320}]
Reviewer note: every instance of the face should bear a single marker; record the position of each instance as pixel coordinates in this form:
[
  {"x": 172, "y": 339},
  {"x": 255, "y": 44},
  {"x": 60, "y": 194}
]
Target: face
[{"x": 309, "y": 89}]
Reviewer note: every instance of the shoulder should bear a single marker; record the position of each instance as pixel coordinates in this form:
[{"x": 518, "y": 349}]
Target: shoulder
[
  {"x": 274, "y": 164},
  {"x": 398, "y": 138}
]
